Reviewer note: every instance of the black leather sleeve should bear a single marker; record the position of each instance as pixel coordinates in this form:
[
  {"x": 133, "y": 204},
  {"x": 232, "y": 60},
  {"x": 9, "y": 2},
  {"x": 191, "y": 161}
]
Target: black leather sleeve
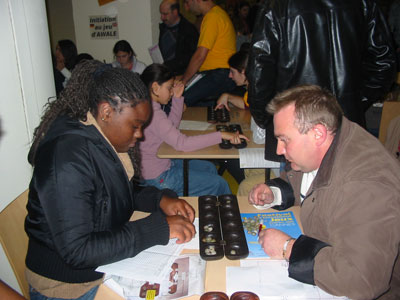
[
  {"x": 262, "y": 65},
  {"x": 286, "y": 192},
  {"x": 301, "y": 263},
  {"x": 379, "y": 63}
]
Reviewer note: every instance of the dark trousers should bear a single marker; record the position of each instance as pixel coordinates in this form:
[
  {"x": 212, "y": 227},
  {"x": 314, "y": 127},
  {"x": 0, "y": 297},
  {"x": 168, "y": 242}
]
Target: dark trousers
[{"x": 206, "y": 91}]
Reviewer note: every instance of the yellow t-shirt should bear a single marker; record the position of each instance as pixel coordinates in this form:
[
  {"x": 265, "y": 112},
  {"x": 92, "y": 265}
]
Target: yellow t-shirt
[
  {"x": 218, "y": 36},
  {"x": 245, "y": 99}
]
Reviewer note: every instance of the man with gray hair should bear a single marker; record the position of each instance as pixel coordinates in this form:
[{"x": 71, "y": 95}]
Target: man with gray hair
[
  {"x": 348, "y": 187},
  {"x": 178, "y": 37}
]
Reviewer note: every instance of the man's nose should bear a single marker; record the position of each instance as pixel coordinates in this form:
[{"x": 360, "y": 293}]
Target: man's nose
[{"x": 280, "y": 149}]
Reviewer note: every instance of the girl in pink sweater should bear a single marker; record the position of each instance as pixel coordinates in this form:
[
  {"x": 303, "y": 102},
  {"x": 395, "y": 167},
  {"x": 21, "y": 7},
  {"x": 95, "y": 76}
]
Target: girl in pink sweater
[{"x": 167, "y": 173}]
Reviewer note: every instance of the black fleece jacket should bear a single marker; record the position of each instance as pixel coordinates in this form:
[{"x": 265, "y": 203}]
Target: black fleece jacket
[{"x": 80, "y": 203}]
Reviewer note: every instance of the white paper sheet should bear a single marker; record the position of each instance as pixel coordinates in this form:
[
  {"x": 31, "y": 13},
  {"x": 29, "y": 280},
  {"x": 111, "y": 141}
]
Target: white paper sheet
[
  {"x": 188, "y": 278},
  {"x": 254, "y": 158},
  {"x": 194, "y": 125},
  {"x": 269, "y": 280},
  {"x": 158, "y": 257},
  {"x": 196, "y": 77},
  {"x": 155, "y": 54}
]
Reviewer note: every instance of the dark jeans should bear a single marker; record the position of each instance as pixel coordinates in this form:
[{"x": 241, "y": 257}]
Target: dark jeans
[
  {"x": 209, "y": 88},
  {"x": 35, "y": 295}
]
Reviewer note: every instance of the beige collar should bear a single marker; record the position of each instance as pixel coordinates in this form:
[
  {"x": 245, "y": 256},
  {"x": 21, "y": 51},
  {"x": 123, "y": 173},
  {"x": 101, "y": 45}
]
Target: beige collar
[{"x": 124, "y": 157}]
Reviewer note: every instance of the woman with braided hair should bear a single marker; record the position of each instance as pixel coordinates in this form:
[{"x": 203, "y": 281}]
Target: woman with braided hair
[{"x": 83, "y": 189}]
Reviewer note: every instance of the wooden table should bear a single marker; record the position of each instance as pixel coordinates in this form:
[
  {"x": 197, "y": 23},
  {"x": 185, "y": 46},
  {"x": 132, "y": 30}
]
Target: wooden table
[
  {"x": 237, "y": 116},
  {"x": 215, "y": 278}
]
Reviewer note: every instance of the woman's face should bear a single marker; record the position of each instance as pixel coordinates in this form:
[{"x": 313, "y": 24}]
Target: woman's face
[
  {"x": 244, "y": 11},
  {"x": 124, "y": 59},
  {"x": 163, "y": 92},
  {"x": 124, "y": 126},
  {"x": 59, "y": 55},
  {"x": 238, "y": 77}
]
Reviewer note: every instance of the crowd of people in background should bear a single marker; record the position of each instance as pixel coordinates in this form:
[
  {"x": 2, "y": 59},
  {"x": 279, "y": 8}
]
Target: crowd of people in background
[{"x": 188, "y": 50}]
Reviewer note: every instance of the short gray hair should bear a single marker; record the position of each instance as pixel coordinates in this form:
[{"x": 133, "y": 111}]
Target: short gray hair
[{"x": 313, "y": 105}]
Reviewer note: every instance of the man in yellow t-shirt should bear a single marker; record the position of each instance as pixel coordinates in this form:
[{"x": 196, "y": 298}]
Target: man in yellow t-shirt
[{"x": 217, "y": 43}]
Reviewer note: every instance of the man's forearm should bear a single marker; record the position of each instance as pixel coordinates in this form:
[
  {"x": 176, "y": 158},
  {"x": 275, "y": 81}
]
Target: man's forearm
[{"x": 194, "y": 65}]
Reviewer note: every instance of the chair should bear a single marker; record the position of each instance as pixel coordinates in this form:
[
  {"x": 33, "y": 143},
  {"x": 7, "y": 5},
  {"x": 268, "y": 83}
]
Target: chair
[
  {"x": 391, "y": 109},
  {"x": 14, "y": 239}
]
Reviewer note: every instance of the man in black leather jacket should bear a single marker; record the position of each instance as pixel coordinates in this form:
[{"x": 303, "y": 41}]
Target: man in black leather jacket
[
  {"x": 178, "y": 37},
  {"x": 342, "y": 45}
]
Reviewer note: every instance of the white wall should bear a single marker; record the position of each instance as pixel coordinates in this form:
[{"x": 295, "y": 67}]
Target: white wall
[
  {"x": 61, "y": 22},
  {"x": 26, "y": 79},
  {"x": 137, "y": 21}
]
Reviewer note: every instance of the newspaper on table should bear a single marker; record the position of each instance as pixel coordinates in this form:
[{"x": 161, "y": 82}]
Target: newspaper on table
[
  {"x": 158, "y": 257},
  {"x": 185, "y": 278},
  {"x": 159, "y": 272}
]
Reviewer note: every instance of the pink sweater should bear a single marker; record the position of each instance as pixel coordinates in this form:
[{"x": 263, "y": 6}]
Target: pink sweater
[{"x": 163, "y": 128}]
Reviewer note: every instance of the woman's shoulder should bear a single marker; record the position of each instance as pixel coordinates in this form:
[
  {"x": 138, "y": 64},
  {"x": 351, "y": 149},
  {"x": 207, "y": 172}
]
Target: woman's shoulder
[{"x": 138, "y": 66}]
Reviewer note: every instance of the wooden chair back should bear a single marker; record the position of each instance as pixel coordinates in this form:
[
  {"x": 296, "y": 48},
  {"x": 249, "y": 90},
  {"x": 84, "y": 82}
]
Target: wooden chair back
[
  {"x": 13, "y": 238},
  {"x": 390, "y": 110}
]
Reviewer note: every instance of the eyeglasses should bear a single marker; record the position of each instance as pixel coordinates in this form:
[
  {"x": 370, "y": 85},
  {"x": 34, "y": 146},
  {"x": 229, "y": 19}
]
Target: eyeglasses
[{"x": 235, "y": 296}]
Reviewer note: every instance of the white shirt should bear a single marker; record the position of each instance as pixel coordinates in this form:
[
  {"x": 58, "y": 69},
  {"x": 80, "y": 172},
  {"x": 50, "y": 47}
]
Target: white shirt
[{"x": 306, "y": 182}]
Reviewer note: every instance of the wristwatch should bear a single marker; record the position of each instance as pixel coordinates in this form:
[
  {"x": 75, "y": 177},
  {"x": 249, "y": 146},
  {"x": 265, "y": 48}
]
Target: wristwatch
[{"x": 285, "y": 247}]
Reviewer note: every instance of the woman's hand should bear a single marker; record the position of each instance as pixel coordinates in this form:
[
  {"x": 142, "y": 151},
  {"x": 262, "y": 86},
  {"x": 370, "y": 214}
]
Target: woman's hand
[
  {"x": 178, "y": 88},
  {"x": 177, "y": 207},
  {"x": 233, "y": 137},
  {"x": 223, "y": 101},
  {"x": 180, "y": 228}
]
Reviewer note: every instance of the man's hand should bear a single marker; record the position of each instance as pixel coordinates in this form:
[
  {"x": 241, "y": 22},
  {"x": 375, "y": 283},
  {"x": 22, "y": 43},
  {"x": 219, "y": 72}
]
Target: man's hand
[
  {"x": 272, "y": 241},
  {"x": 177, "y": 207},
  {"x": 261, "y": 194},
  {"x": 180, "y": 228}
]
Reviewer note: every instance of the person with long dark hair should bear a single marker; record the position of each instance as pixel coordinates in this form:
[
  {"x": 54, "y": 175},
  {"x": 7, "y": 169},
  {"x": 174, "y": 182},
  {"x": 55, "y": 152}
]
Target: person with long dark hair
[
  {"x": 126, "y": 57},
  {"x": 167, "y": 173},
  {"x": 64, "y": 63},
  {"x": 84, "y": 185}
]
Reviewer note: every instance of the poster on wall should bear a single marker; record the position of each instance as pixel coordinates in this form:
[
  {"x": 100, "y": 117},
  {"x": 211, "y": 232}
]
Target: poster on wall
[
  {"x": 103, "y": 27},
  {"x": 103, "y": 2}
]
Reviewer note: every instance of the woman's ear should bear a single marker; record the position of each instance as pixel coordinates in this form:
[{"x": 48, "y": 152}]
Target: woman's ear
[
  {"x": 155, "y": 88},
  {"x": 105, "y": 111}
]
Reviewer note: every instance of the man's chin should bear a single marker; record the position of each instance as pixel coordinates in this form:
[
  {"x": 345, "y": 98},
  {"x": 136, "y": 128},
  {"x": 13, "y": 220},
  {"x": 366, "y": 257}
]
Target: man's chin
[{"x": 295, "y": 167}]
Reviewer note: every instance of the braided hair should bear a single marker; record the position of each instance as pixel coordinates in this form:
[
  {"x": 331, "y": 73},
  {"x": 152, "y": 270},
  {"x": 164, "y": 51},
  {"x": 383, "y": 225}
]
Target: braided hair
[{"x": 92, "y": 83}]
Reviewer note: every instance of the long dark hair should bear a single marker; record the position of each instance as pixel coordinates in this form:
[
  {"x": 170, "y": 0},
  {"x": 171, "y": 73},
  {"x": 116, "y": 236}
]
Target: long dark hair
[
  {"x": 69, "y": 51},
  {"x": 156, "y": 73},
  {"x": 91, "y": 83},
  {"x": 239, "y": 60},
  {"x": 124, "y": 46}
]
